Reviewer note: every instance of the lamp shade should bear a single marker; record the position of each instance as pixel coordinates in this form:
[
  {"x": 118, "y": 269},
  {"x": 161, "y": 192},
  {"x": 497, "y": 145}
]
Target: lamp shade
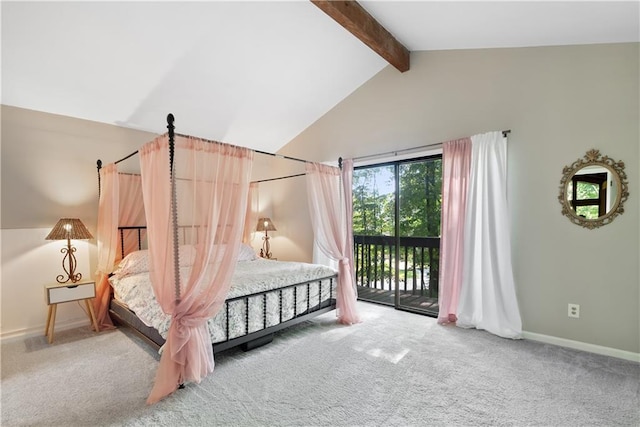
[
  {"x": 69, "y": 228},
  {"x": 265, "y": 224}
]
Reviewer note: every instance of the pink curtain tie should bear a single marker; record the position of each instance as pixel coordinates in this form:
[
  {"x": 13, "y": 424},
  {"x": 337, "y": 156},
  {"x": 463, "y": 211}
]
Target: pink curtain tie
[
  {"x": 183, "y": 327},
  {"x": 184, "y": 321}
]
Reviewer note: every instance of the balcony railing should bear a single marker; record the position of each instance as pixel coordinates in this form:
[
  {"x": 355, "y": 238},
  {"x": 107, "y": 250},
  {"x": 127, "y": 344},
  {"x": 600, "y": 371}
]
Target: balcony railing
[{"x": 374, "y": 258}]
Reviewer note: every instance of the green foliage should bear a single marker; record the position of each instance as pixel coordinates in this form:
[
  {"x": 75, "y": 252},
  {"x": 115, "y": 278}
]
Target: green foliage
[
  {"x": 588, "y": 212},
  {"x": 585, "y": 191},
  {"x": 588, "y": 190},
  {"x": 372, "y": 211},
  {"x": 420, "y": 199}
]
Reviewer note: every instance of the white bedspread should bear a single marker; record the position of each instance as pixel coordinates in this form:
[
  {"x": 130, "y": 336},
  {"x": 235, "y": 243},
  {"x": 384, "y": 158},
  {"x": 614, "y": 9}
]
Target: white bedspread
[{"x": 250, "y": 277}]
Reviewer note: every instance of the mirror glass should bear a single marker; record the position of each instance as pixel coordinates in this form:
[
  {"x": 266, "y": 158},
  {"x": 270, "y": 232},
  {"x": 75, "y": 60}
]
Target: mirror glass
[{"x": 593, "y": 189}]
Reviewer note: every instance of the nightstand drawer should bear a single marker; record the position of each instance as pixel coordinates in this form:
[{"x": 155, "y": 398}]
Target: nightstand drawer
[{"x": 61, "y": 293}]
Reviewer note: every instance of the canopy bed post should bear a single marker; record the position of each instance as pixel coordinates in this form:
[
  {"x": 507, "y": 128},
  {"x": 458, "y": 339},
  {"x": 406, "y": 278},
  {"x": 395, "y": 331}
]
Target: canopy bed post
[
  {"x": 99, "y": 164},
  {"x": 174, "y": 207},
  {"x": 171, "y": 128}
]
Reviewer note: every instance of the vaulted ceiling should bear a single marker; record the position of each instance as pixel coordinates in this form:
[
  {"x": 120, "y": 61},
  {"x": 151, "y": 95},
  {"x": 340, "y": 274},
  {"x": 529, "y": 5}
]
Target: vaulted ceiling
[{"x": 251, "y": 73}]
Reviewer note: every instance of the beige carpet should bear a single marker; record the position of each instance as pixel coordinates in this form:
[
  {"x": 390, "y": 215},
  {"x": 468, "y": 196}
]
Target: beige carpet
[{"x": 395, "y": 368}]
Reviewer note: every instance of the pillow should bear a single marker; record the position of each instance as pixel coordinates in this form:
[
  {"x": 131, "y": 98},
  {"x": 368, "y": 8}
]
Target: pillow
[
  {"x": 134, "y": 263},
  {"x": 246, "y": 253},
  {"x": 138, "y": 261}
]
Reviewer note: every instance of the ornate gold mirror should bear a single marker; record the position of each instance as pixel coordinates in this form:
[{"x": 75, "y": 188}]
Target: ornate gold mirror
[{"x": 593, "y": 190}]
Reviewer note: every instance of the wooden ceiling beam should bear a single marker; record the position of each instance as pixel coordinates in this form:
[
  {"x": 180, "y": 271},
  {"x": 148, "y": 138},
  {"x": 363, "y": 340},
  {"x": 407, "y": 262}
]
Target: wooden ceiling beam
[{"x": 361, "y": 24}]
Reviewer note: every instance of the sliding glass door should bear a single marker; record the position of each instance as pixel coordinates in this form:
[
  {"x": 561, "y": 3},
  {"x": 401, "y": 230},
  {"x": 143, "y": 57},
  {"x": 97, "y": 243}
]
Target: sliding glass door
[
  {"x": 396, "y": 226},
  {"x": 374, "y": 224}
]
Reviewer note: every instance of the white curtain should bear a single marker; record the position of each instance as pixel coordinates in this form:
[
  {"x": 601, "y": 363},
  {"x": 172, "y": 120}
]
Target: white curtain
[{"x": 487, "y": 295}]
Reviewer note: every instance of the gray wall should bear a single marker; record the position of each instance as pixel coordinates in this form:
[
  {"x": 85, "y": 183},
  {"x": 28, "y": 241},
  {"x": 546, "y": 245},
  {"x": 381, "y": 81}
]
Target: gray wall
[
  {"x": 559, "y": 102},
  {"x": 48, "y": 172},
  {"x": 49, "y": 165}
]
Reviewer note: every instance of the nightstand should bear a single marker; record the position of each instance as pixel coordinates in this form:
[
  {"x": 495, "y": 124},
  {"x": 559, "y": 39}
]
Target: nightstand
[{"x": 58, "y": 294}]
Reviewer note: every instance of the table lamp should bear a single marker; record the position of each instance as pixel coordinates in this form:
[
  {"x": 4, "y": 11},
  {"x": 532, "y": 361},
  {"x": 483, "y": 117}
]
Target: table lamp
[
  {"x": 69, "y": 228},
  {"x": 266, "y": 225}
]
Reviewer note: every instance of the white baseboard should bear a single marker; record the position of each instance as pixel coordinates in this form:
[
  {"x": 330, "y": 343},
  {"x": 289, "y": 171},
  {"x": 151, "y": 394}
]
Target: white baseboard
[
  {"x": 22, "y": 334},
  {"x": 577, "y": 345}
]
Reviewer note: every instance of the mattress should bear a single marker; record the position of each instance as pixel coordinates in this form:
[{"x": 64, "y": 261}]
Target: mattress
[{"x": 285, "y": 290}]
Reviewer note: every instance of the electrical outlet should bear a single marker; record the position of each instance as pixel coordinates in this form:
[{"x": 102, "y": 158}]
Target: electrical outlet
[{"x": 574, "y": 310}]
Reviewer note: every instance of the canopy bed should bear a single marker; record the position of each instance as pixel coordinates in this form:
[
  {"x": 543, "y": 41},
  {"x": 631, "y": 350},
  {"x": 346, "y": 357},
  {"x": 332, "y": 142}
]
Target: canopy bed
[
  {"x": 265, "y": 297},
  {"x": 173, "y": 265}
]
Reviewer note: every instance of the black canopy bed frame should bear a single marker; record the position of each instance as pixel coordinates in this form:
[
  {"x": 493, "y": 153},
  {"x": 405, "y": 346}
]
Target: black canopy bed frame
[{"x": 122, "y": 315}]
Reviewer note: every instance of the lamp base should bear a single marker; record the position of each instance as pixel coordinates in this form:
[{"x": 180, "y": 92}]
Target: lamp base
[
  {"x": 265, "y": 252},
  {"x": 71, "y": 275},
  {"x": 73, "y": 279}
]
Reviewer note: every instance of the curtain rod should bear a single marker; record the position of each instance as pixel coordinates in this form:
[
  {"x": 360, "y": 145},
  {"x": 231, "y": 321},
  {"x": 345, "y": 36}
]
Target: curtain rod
[
  {"x": 125, "y": 158},
  {"x": 256, "y": 182},
  {"x": 406, "y": 150},
  {"x": 255, "y": 151},
  {"x": 281, "y": 156},
  {"x": 252, "y": 182},
  {"x": 281, "y": 177}
]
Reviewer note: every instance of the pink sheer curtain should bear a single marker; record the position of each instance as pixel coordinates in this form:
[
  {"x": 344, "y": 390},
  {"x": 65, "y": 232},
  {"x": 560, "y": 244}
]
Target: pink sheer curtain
[
  {"x": 212, "y": 184},
  {"x": 456, "y": 166},
  {"x": 251, "y": 218},
  {"x": 107, "y": 236},
  {"x": 131, "y": 213},
  {"x": 330, "y": 225},
  {"x": 120, "y": 205}
]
